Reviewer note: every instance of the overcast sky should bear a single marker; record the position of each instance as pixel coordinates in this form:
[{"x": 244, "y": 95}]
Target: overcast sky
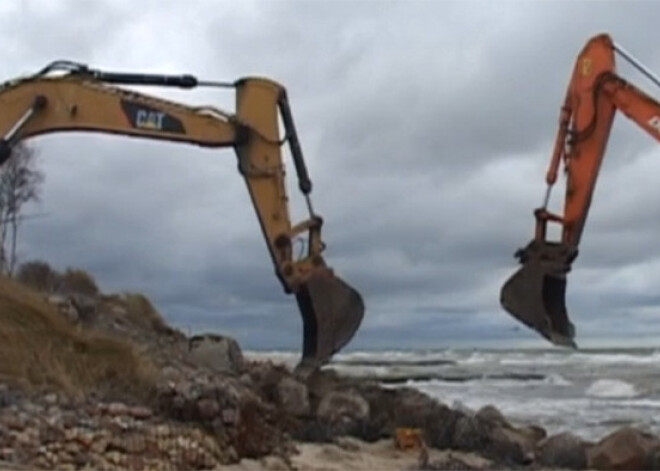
[{"x": 427, "y": 128}]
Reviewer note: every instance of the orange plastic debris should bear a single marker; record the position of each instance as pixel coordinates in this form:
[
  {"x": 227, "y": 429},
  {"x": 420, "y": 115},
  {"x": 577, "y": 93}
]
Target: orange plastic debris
[{"x": 408, "y": 438}]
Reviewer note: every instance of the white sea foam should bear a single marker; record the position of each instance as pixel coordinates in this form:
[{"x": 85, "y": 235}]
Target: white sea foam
[
  {"x": 556, "y": 379},
  {"x": 586, "y": 392},
  {"x": 611, "y": 388},
  {"x": 581, "y": 358},
  {"x": 640, "y": 404}
]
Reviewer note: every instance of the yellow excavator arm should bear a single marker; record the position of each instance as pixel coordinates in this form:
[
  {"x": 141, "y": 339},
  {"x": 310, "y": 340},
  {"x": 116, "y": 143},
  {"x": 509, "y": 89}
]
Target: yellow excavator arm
[{"x": 67, "y": 96}]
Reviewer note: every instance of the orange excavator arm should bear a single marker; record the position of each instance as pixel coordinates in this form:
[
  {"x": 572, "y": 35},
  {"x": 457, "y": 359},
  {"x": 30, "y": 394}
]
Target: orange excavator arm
[
  {"x": 67, "y": 96},
  {"x": 535, "y": 294}
]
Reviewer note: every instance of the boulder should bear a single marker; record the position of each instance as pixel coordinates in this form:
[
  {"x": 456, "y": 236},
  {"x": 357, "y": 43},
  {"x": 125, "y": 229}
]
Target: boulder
[
  {"x": 320, "y": 383},
  {"x": 343, "y": 406},
  {"x": 563, "y": 450},
  {"x": 457, "y": 405},
  {"x": 314, "y": 431},
  {"x": 340, "y": 413},
  {"x": 510, "y": 445},
  {"x": 65, "y": 306},
  {"x": 86, "y": 306},
  {"x": 627, "y": 448},
  {"x": 441, "y": 426},
  {"x": 218, "y": 352},
  {"x": 266, "y": 377},
  {"x": 489, "y": 433},
  {"x": 208, "y": 409},
  {"x": 409, "y": 408},
  {"x": 491, "y": 414},
  {"x": 293, "y": 397},
  {"x": 470, "y": 434},
  {"x": 653, "y": 459},
  {"x": 384, "y": 409},
  {"x": 534, "y": 433},
  {"x": 257, "y": 431}
]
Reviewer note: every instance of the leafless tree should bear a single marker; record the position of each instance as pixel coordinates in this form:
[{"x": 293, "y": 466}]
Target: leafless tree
[{"x": 20, "y": 181}]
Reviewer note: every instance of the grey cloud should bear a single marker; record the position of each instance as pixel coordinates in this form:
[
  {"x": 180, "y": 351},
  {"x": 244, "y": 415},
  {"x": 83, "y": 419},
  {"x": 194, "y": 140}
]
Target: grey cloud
[
  {"x": 40, "y": 31},
  {"x": 427, "y": 129}
]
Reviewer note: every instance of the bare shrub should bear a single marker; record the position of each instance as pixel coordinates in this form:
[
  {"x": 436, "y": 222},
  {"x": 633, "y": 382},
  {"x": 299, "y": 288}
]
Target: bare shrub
[
  {"x": 39, "y": 275},
  {"x": 79, "y": 282}
]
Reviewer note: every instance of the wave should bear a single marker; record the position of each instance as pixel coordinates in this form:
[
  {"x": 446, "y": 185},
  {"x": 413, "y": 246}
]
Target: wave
[
  {"x": 413, "y": 357},
  {"x": 391, "y": 362},
  {"x": 412, "y": 378},
  {"x": 556, "y": 379},
  {"x": 475, "y": 357},
  {"x": 639, "y": 404},
  {"x": 512, "y": 358},
  {"x": 593, "y": 358},
  {"x": 611, "y": 388}
]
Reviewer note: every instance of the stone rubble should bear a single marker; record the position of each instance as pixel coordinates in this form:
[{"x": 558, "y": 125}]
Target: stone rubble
[
  {"x": 211, "y": 407},
  {"x": 52, "y": 432}
]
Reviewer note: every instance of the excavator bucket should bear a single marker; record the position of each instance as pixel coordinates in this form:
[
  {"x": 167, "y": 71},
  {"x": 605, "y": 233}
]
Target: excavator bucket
[
  {"x": 536, "y": 293},
  {"x": 332, "y": 312}
]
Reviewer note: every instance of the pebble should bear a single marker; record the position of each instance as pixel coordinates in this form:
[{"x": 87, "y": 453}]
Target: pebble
[
  {"x": 208, "y": 409},
  {"x": 51, "y": 399},
  {"x": 111, "y": 436},
  {"x": 117, "y": 409},
  {"x": 7, "y": 453},
  {"x": 139, "y": 412}
]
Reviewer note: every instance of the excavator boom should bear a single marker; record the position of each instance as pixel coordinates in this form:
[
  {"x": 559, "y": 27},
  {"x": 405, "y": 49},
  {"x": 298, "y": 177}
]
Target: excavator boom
[
  {"x": 67, "y": 96},
  {"x": 535, "y": 294}
]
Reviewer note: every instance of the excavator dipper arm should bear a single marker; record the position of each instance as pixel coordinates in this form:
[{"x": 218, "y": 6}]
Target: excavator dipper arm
[
  {"x": 83, "y": 100},
  {"x": 535, "y": 294}
]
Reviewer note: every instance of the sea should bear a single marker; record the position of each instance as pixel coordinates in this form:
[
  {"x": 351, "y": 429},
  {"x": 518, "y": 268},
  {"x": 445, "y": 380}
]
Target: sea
[{"x": 587, "y": 392}]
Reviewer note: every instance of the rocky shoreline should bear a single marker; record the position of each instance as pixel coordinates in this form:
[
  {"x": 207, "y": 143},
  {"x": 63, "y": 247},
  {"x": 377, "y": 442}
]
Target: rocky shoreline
[{"x": 208, "y": 408}]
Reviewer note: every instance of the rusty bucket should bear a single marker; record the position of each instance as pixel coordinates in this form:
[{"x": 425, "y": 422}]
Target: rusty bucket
[
  {"x": 536, "y": 294},
  {"x": 332, "y": 312}
]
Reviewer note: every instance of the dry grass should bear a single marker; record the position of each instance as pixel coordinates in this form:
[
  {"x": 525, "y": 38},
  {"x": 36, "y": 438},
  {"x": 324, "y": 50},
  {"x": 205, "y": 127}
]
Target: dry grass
[
  {"x": 142, "y": 313},
  {"x": 40, "y": 349}
]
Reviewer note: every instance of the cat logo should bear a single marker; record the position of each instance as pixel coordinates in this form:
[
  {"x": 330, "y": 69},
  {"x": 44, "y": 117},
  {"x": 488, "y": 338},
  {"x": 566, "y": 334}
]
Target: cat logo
[
  {"x": 146, "y": 119},
  {"x": 586, "y": 66},
  {"x": 143, "y": 116}
]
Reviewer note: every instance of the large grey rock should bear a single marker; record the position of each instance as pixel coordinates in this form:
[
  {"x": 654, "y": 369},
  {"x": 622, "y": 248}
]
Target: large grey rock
[
  {"x": 407, "y": 407},
  {"x": 627, "y": 448},
  {"x": 65, "y": 306},
  {"x": 492, "y": 415},
  {"x": 491, "y": 434},
  {"x": 512, "y": 445},
  {"x": 293, "y": 397},
  {"x": 564, "y": 450},
  {"x": 469, "y": 434},
  {"x": 321, "y": 382},
  {"x": 218, "y": 352},
  {"x": 85, "y": 305},
  {"x": 339, "y": 413},
  {"x": 338, "y": 406}
]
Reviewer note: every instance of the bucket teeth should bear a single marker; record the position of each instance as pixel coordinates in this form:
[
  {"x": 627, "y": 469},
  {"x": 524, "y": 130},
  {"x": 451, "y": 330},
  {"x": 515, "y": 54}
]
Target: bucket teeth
[
  {"x": 536, "y": 294},
  {"x": 332, "y": 312}
]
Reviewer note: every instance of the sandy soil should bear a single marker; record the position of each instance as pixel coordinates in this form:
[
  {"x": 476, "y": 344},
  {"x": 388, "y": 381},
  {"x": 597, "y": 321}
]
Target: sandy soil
[
  {"x": 354, "y": 455},
  {"x": 347, "y": 454},
  {"x": 13, "y": 467}
]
